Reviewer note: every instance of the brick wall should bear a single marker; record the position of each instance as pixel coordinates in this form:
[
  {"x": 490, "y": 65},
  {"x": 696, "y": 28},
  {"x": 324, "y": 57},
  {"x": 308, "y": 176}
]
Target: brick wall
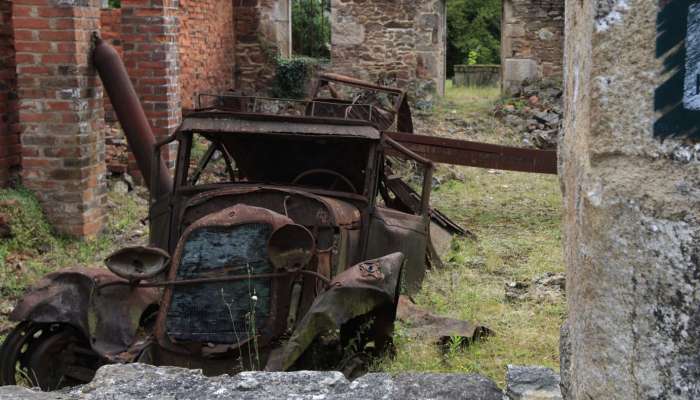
[
  {"x": 10, "y": 148},
  {"x": 111, "y": 20},
  {"x": 399, "y": 42},
  {"x": 61, "y": 111},
  {"x": 150, "y": 44},
  {"x": 532, "y": 42},
  {"x": 207, "y": 45}
]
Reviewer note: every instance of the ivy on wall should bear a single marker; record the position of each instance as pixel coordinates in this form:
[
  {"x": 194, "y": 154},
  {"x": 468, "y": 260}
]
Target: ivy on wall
[{"x": 292, "y": 76}]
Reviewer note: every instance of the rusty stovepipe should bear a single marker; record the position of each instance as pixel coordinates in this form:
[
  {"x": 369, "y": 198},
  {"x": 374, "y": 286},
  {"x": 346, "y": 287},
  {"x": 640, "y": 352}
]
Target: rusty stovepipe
[{"x": 130, "y": 113}]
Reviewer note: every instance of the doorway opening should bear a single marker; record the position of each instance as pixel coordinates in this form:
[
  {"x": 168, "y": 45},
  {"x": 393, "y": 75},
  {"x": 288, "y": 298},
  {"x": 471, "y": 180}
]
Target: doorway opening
[
  {"x": 311, "y": 28},
  {"x": 473, "y": 54}
]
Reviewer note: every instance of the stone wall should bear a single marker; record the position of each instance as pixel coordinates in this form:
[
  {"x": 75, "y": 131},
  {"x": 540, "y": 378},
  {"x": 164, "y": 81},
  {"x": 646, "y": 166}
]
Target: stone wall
[
  {"x": 400, "y": 43},
  {"x": 632, "y": 216},
  {"x": 262, "y": 33},
  {"x": 207, "y": 48},
  {"x": 10, "y": 149},
  {"x": 532, "y": 40}
]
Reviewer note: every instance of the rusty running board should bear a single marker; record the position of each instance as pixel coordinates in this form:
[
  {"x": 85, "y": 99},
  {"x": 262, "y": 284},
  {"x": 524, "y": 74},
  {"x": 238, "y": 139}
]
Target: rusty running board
[{"x": 474, "y": 154}]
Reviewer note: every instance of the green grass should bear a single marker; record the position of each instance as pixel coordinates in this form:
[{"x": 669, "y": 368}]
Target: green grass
[
  {"x": 36, "y": 250},
  {"x": 516, "y": 218},
  {"x": 470, "y": 100}
]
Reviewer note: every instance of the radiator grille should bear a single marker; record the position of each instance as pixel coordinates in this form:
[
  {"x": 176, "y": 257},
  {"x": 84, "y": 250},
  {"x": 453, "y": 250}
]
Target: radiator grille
[{"x": 221, "y": 312}]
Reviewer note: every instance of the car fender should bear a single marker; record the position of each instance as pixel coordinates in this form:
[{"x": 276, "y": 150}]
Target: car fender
[
  {"x": 108, "y": 316},
  {"x": 366, "y": 287}
]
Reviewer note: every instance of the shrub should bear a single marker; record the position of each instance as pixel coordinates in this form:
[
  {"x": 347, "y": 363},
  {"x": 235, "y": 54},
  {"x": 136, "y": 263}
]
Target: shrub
[{"x": 292, "y": 76}]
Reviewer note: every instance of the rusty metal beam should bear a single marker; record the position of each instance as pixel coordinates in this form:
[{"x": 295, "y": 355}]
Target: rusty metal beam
[{"x": 482, "y": 155}]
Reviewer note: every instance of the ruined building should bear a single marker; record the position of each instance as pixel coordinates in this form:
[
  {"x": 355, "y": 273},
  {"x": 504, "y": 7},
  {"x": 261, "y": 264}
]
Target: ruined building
[{"x": 53, "y": 110}]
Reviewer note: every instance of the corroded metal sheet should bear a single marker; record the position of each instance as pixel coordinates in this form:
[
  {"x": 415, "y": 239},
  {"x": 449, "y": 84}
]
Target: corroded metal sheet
[
  {"x": 474, "y": 154},
  {"x": 222, "y": 312},
  {"x": 228, "y": 123}
]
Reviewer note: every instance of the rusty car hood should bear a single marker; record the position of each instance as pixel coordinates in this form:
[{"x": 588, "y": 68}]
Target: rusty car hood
[{"x": 343, "y": 213}]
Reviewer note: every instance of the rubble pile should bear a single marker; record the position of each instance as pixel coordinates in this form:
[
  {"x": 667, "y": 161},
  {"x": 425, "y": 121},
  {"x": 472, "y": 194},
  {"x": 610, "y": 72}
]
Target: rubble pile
[
  {"x": 116, "y": 150},
  {"x": 536, "y": 112}
]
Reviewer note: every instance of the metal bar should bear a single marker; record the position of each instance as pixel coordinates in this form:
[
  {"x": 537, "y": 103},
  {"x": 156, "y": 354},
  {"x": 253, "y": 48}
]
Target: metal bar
[
  {"x": 481, "y": 155},
  {"x": 399, "y": 147},
  {"x": 203, "y": 163},
  {"x": 358, "y": 83},
  {"x": 131, "y": 115},
  {"x": 188, "y": 282}
]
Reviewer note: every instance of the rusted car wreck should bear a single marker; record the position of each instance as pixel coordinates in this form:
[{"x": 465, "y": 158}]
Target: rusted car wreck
[{"x": 286, "y": 227}]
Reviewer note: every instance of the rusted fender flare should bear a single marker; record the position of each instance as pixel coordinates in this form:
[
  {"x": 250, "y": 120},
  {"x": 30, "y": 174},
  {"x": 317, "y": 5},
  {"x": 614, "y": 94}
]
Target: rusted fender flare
[
  {"x": 359, "y": 290},
  {"x": 109, "y": 317}
]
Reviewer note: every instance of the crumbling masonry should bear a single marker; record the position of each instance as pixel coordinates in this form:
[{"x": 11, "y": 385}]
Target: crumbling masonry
[{"x": 52, "y": 129}]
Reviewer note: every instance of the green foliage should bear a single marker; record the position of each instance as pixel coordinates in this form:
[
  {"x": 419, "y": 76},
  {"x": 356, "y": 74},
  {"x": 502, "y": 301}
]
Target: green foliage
[
  {"x": 292, "y": 77},
  {"x": 473, "y": 57},
  {"x": 311, "y": 28},
  {"x": 114, "y": 3},
  {"x": 473, "y": 32},
  {"x": 517, "y": 221},
  {"x": 35, "y": 249}
]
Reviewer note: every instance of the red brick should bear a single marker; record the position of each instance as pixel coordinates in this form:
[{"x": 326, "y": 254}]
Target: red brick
[{"x": 30, "y": 23}]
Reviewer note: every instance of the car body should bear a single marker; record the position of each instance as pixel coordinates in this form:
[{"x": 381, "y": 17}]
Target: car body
[{"x": 287, "y": 222}]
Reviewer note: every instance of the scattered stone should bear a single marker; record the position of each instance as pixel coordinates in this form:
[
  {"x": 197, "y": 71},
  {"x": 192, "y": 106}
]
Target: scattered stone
[
  {"x": 517, "y": 291},
  {"x": 120, "y": 187},
  {"x": 548, "y": 287},
  {"x": 138, "y": 381},
  {"x": 536, "y": 112},
  {"x": 532, "y": 383}
]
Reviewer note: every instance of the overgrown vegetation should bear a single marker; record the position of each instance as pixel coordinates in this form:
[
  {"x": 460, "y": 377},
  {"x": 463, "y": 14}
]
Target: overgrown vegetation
[
  {"x": 473, "y": 32},
  {"x": 292, "y": 77},
  {"x": 35, "y": 250},
  {"x": 516, "y": 218}
]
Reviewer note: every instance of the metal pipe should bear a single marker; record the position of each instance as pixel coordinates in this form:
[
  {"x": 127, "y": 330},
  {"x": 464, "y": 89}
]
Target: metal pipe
[{"x": 130, "y": 114}]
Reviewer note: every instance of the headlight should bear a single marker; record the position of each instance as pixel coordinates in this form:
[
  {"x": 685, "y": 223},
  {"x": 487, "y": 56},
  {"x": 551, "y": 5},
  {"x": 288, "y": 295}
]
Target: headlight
[
  {"x": 291, "y": 246},
  {"x": 138, "y": 263}
]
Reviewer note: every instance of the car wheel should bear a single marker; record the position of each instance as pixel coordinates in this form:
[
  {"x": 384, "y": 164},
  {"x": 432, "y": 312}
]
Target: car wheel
[{"x": 48, "y": 356}]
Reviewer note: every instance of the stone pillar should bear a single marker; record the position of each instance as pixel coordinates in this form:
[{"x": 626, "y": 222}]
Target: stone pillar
[
  {"x": 257, "y": 42},
  {"x": 630, "y": 171},
  {"x": 532, "y": 41},
  {"x": 60, "y": 111},
  {"x": 149, "y": 42},
  {"x": 10, "y": 149}
]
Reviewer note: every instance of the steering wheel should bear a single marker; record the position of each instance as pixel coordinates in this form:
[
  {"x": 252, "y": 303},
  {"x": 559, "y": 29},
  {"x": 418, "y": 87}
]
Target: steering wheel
[{"x": 321, "y": 171}]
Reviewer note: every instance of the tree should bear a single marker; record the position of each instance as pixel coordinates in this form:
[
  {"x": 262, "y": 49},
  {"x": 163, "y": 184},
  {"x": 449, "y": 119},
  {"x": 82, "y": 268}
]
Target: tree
[
  {"x": 311, "y": 28},
  {"x": 473, "y": 32}
]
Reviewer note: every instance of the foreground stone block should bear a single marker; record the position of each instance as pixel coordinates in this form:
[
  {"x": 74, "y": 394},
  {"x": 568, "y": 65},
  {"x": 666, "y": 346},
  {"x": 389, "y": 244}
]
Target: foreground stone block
[
  {"x": 532, "y": 383},
  {"x": 138, "y": 381}
]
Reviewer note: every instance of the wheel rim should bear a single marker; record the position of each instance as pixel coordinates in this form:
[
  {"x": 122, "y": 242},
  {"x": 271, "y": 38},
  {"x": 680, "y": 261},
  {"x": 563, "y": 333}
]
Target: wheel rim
[{"x": 50, "y": 356}]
